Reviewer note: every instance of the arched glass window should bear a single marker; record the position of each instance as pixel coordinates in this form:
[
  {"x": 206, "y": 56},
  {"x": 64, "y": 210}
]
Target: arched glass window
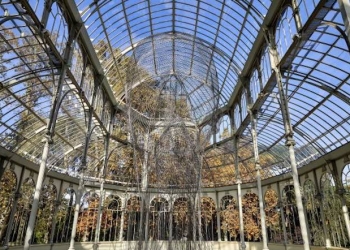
[
  {"x": 57, "y": 27},
  {"x": 77, "y": 65},
  {"x": 237, "y": 116},
  {"x": 133, "y": 218},
  {"x": 23, "y": 211},
  {"x": 229, "y": 218},
  {"x": 254, "y": 86},
  {"x": 251, "y": 217},
  {"x": 88, "y": 85},
  {"x": 244, "y": 103},
  {"x": 8, "y": 185},
  {"x": 64, "y": 217},
  {"x": 158, "y": 220},
  {"x": 206, "y": 132},
  {"x": 273, "y": 219},
  {"x": 208, "y": 217},
  {"x": 265, "y": 66},
  {"x": 226, "y": 201},
  {"x": 111, "y": 219},
  {"x": 291, "y": 215},
  {"x": 285, "y": 31},
  {"x": 313, "y": 213},
  {"x": 332, "y": 208},
  {"x": 87, "y": 220},
  {"x": 106, "y": 113},
  {"x": 43, "y": 225},
  {"x": 182, "y": 219},
  {"x": 98, "y": 105},
  {"x": 224, "y": 128}
]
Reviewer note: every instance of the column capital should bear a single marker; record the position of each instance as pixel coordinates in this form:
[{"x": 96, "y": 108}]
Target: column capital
[
  {"x": 48, "y": 136},
  {"x": 290, "y": 140},
  {"x": 257, "y": 166}
]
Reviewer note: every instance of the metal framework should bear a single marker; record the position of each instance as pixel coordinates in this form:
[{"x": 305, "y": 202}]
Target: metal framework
[{"x": 174, "y": 97}]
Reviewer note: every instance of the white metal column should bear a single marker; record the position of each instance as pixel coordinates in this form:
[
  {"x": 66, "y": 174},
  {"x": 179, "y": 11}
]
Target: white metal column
[
  {"x": 290, "y": 142},
  {"x": 48, "y": 139},
  {"x": 252, "y": 115},
  {"x": 239, "y": 196}
]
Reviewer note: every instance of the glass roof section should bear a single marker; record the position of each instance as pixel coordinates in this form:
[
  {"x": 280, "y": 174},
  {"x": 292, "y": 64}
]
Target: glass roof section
[
  {"x": 177, "y": 32},
  {"x": 208, "y": 60}
]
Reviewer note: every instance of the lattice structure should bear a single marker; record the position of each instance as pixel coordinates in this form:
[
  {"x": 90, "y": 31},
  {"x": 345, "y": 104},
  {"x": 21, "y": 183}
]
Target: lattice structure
[
  {"x": 131, "y": 121},
  {"x": 162, "y": 102}
]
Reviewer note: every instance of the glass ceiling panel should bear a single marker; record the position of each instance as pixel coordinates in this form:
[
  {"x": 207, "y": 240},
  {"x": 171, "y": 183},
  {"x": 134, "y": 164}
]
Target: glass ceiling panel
[
  {"x": 188, "y": 53},
  {"x": 229, "y": 29}
]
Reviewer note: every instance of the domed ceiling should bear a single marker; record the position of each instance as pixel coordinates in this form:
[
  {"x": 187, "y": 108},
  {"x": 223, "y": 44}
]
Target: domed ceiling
[{"x": 199, "y": 63}]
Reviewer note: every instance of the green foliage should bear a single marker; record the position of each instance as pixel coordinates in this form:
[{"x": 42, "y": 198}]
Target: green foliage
[
  {"x": 7, "y": 189},
  {"x": 45, "y": 214}
]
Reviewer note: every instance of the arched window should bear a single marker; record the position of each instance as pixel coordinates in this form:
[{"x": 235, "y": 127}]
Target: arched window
[
  {"x": 98, "y": 105},
  {"x": 224, "y": 128},
  {"x": 133, "y": 218},
  {"x": 206, "y": 132},
  {"x": 313, "y": 214},
  {"x": 77, "y": 65},
  {"x": 265, "y": 66},
  {"x": 244, "y": 103},
  {"x": 229, "y": 218},
  {"x": 64, "y": 217},
  {"x": 88, "y": 85},
  {"x": 43, "y": 225},
  {"x": 208, "y": 217},
  {"x": 106, "y": 113},
  {"x": 8, "y": 185},
  {"x": 291, "y": 215},
  {"x": 333, "y": 215},
  {"x": 87, "y": 220},
  {"x": 158, "y": 220},
  {"x": 237, "y": 116},
  {"x": 23, "y": 211},
  {"x": 111, "y": 219},
  {"x": 226, "y": 201},
  {"x": 273, "y": 220},
  {"x": 57, "y": 27},
  {"x": 251, "y": 217},
  {"x": 182, "y": 219},
  {"x": 254, "y": 86},
  {"x": 285, "y": 31}
]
